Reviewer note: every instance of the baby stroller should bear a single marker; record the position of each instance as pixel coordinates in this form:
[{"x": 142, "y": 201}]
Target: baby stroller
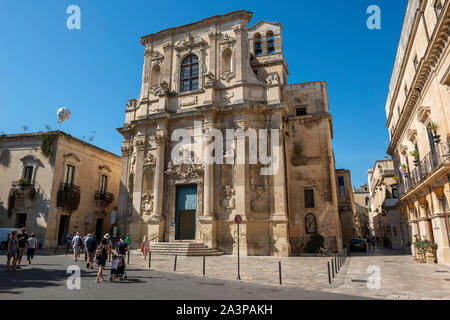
[{"x": 121, "y": 269}]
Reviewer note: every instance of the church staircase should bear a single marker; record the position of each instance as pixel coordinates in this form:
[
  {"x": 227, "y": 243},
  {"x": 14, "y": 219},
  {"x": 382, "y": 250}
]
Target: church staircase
[{"x": 183, "y": 248}]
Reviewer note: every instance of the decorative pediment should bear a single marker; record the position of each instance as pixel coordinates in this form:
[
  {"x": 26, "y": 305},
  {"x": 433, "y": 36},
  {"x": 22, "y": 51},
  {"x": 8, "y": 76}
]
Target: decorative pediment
[
  {"x": 412, "y": 133},
  {"x": 153, "y": 54},
  {"x": 227, "y": 40},
  {"x": 423, "y": 114},
  {"x": 105, "y": 167},
  {"x": 71, "y": 156},
  {"x": 190, "y": 42},
  {"x": 30, "y": 160},
  {"x": 184, "y": 171},
  {"x": 403, "y": 149}
]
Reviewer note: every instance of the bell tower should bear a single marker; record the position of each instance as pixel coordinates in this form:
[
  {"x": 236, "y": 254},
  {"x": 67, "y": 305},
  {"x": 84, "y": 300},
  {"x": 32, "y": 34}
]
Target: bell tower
[{"x": 266, "y": 51}]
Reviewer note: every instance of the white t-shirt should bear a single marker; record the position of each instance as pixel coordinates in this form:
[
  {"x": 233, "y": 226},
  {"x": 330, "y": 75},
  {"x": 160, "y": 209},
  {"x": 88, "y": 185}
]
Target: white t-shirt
[
  {"x": 32, "y": 243},
  {"x": 115, "y": 263},
  {"x": 75, "y": 240}
]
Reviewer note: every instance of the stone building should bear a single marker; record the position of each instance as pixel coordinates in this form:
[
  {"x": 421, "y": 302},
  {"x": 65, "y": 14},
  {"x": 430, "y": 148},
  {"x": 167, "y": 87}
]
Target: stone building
[
  {"x": 207, "y": 79},
  {"x": 390, "y": 225},
  {"x": 347, "y": 208},
  {"x": 53, "y": 183},
  {"x": 418, "y": 119},
  {"x": 362, "y": 200}
]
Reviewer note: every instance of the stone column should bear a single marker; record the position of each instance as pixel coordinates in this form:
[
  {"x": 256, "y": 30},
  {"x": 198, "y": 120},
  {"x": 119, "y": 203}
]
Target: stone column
[
  {"x": 134, "y": 225},
  {"x": 415, "y": 231},
  {"x": 208, "y": 177},
  {"x": 158, "y": 185},
  {"x": 241, "y": 55},
  {"x": 441, "y": 237}
]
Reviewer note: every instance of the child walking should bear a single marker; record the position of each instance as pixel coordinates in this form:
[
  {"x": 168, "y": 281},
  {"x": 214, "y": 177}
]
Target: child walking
[{"x": 114, "y": 265}]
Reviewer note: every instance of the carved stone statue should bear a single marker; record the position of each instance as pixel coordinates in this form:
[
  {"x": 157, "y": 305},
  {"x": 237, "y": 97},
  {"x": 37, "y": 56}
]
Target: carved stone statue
[
  {"x": 147, "y": 203},
  {"x": 273, "y": 79}
]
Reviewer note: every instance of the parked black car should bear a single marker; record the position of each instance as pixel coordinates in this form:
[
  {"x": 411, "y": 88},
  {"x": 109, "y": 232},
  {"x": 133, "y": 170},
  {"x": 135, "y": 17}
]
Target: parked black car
[{"x": 359, "y": 245}]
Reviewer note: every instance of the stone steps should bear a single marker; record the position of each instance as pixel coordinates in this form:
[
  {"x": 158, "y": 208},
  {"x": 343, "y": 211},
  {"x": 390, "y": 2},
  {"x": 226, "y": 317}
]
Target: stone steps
[{"x": 183, "y": 248}]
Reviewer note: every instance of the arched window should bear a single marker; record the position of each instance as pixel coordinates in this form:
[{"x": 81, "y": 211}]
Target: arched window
[
  {"x": 258, "y": 45},
  {"x": 367, "y": 201},
  {"x": 189, "y": 74},
  {"x": 226, "y": 61},
  {"x": 310, "y": 224},
  {"x": 155, "y": 75},
  {"x": 270, "y": 42}
]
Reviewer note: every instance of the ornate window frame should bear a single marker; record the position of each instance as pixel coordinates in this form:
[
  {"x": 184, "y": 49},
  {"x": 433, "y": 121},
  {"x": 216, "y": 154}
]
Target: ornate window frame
[{"x": 185, "y": 47}]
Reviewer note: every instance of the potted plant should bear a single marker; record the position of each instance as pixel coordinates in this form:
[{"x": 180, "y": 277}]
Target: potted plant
[
  {"x": 415, "y": 154},
  {"x": 419, "y": 249},
  {"x": 430, "y": 251},
  {"x": 396, "y": 178},
  {"x": 432, "y": 126}
]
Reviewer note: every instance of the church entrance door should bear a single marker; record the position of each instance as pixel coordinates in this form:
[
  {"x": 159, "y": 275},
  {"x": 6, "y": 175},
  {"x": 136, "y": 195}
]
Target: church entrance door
[{"x": 186, "y": 212}]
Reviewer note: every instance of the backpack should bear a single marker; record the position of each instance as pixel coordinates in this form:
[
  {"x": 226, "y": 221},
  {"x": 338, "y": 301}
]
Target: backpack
[
  {"x": 99, "y": 257},
  {"x": 79, "y": 241}
]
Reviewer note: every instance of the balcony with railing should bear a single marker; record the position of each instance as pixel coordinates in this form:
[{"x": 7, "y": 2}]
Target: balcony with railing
[
  {"x": 103, "y": 198},
  {"x": 439, "y": 156},
  {"x": 68, "y": 196},
  {"x": 22, "y": 189}
]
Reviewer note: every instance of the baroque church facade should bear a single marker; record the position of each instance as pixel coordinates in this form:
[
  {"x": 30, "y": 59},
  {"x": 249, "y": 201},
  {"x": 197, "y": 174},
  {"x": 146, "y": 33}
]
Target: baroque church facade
[{"x": 215, "y": 75}]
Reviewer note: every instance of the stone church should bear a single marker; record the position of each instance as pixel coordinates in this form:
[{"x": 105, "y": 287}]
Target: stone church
[{"x": 216, "y": 75}]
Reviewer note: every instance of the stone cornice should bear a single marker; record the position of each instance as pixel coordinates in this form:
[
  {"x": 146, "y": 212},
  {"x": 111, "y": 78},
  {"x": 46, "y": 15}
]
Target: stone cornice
[
  {"x": 235, "y": 15},
  {"x": 427, "y": 64}
]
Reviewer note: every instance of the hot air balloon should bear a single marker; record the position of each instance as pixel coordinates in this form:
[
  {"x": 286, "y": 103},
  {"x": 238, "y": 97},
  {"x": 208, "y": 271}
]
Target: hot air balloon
[{"x": 63, "y": 114}]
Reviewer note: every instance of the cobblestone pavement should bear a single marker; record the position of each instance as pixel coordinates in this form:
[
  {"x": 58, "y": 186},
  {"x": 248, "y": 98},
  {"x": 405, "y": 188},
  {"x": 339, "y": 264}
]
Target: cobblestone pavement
[{"x": 401, "y": 277}]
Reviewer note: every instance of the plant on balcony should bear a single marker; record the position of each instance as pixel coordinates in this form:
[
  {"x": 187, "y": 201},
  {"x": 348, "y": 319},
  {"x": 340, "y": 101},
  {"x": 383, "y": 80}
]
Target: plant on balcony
[
  {"x": 23, "y": 182},
  {"x": 47, "y": 140},
  {"x": 415, "y": 154},
  {"x": 432, "y": 126},
  {"x": 396, "y": 178},
  {"x": 404, "y": 166}
]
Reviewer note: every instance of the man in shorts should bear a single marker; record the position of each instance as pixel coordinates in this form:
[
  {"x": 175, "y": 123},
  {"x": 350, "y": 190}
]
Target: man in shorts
[
  {"x": 22, "y": 245},
  {"x": 76, "y": 245},
  {"x": 91, "y": 248}
]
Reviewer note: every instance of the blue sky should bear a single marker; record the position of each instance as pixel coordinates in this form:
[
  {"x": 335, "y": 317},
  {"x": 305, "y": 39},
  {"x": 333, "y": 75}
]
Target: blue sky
[{"x": 93, "y": 71}]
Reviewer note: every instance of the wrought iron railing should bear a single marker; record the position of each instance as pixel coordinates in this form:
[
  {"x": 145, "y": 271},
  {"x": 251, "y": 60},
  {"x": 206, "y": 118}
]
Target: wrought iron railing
[
  {"x": 106, "y": 197},
  {"x": 68, "y": 196},
  {"x": 436, "y": 157}
]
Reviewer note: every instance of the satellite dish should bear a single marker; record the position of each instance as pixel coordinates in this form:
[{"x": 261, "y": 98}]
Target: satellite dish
[{"x": 63, "y": 114}]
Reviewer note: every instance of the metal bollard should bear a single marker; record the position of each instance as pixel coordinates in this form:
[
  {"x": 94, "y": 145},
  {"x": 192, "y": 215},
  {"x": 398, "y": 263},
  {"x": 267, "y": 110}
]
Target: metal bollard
[
  {"x": 150, "y": 260},
  {"x": 329, "y": 276},
  {"x": 279, "y": 269},
  {"x": 175, "y": 264},
  {"x": 335, "y": 265},
  {"x": 128, "y": 256},
  {"x": 204, "y": 265},
  {"x": 332, "y": 267}
]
